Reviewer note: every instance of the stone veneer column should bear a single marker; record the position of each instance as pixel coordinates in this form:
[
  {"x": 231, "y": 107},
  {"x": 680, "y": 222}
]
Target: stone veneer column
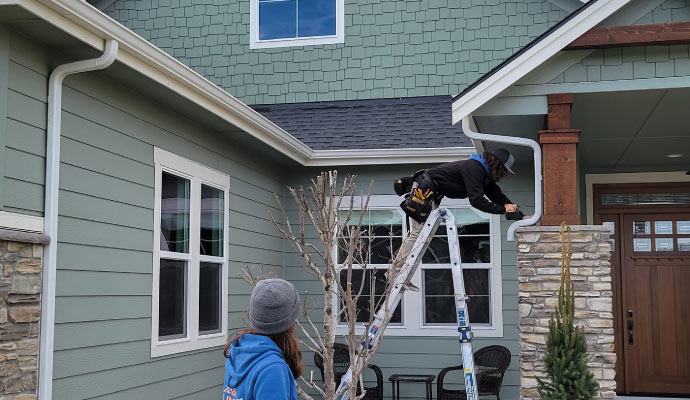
[
  {"x": 20, "y": 313},
  {"x": 539, "y": 258}
]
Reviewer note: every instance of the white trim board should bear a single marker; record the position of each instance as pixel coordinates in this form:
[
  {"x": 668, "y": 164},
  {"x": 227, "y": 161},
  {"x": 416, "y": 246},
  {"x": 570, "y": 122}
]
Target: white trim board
[
  {"x": 636, "y": 177},
  {"x": 534, "y": 56},
  {"x": 256, "y": 43},
  {"x": 21, "y": 222},
  {"x": 413, "y": 321}
]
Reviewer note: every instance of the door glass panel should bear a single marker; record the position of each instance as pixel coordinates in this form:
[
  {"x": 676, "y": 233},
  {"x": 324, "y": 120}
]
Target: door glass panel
[
  {"x": 642, "y": 244},
  {"x": 641, "y": 228},
  {"x": 172, "y": 298},
  {"x": 683, "y": 227},
  {"x": 634, "y": 199},
  {"x": 663, "y": 227},
  {"x": 174, "y": 214},
  {"x": 664, "y": 244},
  {"x": 209, "y": 298},
  {"x": 611, "y": 226},
  {"x": 683, "y": 244},
  {"x": 212, "y": 225}
]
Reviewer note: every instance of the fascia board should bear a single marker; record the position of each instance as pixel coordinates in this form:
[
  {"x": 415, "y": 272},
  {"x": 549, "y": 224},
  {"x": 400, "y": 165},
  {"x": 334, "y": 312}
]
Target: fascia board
[
  {"x": 90, "y": 25},
  {"x": 534, "y": 57},
  {"x": 389, "y": 156}
]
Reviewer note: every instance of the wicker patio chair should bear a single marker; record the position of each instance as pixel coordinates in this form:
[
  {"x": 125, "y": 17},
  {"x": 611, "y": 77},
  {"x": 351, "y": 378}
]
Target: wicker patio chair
[
  {"x": 490, "y": 365},
  {"x": 341, "y": 363}
]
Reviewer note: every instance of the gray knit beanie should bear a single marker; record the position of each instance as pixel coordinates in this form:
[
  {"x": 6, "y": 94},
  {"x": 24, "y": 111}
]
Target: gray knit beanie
[{"x": 273, "y": 307}]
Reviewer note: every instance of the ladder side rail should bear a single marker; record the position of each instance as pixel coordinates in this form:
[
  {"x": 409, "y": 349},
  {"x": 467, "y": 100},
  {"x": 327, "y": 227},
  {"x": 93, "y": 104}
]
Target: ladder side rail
[
  {"x": 384, "y": 314},
  {"x": 462, "y": 312}
]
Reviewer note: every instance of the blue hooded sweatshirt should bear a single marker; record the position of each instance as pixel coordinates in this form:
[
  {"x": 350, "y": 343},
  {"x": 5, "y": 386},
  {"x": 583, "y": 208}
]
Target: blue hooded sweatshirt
[{"x": 256, "y": 370}]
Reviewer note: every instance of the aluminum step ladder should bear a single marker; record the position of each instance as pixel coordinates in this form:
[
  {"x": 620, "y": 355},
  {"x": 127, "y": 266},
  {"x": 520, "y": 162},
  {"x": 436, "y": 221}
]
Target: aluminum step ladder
[{"x": 406, "y": 273}]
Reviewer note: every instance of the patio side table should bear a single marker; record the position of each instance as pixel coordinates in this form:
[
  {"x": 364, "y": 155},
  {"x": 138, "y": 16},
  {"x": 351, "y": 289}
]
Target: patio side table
[{"x": 397, "y": 378}]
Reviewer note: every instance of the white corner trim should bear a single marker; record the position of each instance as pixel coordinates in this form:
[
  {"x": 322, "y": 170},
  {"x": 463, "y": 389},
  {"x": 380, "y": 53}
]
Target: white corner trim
[
  {"x": 256, "y": 43},
  {"x": 21, "y": 222},
  {"x": 388, "y": 156},
  {"x": 534, "y": 57},
  {"x": 633, "y": 177}
]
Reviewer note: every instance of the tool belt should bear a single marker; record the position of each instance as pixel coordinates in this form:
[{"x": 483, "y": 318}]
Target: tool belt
[{"x": 420, "y": 193}]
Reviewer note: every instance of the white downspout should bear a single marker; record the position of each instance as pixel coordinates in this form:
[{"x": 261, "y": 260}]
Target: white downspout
[
  {"x": 45, "y": 369},
  {"x": 537, "y": 170}
]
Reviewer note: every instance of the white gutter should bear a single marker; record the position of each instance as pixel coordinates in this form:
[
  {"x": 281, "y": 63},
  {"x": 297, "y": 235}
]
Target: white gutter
[
  {"x": 467, "y": 130},
  {"x": 433, "y": 155},
  {"x": 45, "y": 369}
]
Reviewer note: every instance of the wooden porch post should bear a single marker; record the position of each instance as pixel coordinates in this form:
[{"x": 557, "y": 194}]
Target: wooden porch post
[{"x": 559, "y": 167}]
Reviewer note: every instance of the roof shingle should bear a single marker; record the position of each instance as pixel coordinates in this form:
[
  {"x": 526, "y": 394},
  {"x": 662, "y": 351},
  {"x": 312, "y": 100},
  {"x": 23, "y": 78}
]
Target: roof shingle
[{"x": 413, "y": 122}]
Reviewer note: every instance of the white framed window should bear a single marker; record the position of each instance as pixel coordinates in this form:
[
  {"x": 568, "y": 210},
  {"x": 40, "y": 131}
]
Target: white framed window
[
  {"x": 284, "y": 23},
  {"x": 431, "y": 310},
  {"x": 190, "y": 276}
]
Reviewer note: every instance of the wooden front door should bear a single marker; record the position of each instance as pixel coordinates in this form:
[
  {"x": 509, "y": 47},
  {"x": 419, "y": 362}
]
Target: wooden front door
[{"x": 655, "y": 272}]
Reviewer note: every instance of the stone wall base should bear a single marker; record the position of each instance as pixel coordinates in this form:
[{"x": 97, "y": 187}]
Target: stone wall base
[
  {"x": 20, "y": 314},
  {"x": 539, "y": 274}
]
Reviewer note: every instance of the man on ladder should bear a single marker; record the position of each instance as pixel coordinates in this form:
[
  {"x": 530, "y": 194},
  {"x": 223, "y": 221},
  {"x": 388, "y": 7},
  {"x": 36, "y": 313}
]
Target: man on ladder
[{"x": 474, "y": 179}]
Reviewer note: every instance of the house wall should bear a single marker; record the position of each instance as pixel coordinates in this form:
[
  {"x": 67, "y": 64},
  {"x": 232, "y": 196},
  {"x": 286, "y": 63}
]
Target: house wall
[
  {"x": 392, "y": 48},
  {"x": 426, "y": 355},
  {"x": 104, "y": 256},
  {"x": 629, "y": 63},
  {"x": 668, "y": 11}
]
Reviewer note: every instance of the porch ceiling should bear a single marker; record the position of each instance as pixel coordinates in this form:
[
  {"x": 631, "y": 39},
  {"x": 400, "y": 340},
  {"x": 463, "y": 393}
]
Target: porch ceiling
[{"x": 633, "y": 130}]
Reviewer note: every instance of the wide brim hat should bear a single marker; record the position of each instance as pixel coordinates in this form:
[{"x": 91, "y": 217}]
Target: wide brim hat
[{"x": 506, "y": 158}]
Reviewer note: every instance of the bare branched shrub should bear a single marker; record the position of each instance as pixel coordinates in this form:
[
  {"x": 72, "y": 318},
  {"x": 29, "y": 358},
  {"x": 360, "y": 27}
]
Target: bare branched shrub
[{"x": 336, "y": 224}]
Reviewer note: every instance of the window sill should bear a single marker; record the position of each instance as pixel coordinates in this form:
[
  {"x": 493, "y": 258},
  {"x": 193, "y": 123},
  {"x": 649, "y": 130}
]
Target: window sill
[
  {"x": 310, "y": 41},
  {"x": 184, "y": 345},
  {"x": 430, "y": 331}
]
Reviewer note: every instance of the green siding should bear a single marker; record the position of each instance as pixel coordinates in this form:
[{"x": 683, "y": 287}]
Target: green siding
[
  {"x": 392, "y": 48},
  {"x": 629, "y": 63},
  {"x": 105, "y": 238},
  {"x": 4, "y": 76},
  {"x": 426, "y": 355},
  {"x": 668, "y": 11}
]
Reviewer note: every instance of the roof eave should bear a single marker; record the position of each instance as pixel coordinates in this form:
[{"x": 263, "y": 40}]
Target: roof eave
[
  {"x": 389, "y": 156},
  {"x": 538, "y": 53},
  {"x": 92, "y": 27},
  {"x": 86, "y": 23}
]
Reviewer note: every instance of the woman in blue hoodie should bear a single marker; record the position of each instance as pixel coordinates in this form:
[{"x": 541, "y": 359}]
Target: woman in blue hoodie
[{"x": 264, "y": 359}]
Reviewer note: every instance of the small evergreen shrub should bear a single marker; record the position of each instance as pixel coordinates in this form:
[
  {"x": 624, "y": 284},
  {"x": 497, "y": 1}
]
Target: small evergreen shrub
[{"x": 566, "y": 348}]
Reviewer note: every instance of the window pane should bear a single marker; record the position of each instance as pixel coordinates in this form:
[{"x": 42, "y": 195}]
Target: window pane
[
  {"x": 384, "y": 249},
  {"x": 475, "y": 246},
  {"x": 212, "y": 224},
  {"x": 440, "y": 310},
  {"x": 209, "y": 298},
  {"x": 316, "y": 18},
  {"x": 277, "y": 19},
  {"x": 437, "y": 252},
  {"x": 174, "y": 214},
  {"x": 172, "y": 299},
  {"x": 439, "y": 305},
  {"x": 475, "y": 249},
  {"x": 379, "y": 277}
]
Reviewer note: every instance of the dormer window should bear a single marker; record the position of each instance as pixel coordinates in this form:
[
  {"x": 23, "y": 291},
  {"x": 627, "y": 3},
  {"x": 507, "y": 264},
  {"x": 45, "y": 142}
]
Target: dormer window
[{"x": 283, "y": 23}]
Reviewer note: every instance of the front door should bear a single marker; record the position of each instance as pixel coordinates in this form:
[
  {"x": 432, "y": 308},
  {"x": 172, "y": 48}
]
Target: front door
[{"x": 655, "y": 272}]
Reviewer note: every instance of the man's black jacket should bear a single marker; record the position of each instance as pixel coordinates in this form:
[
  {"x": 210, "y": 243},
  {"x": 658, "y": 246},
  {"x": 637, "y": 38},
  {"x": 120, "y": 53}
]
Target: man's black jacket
[{"x": 468, "y": 179}]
